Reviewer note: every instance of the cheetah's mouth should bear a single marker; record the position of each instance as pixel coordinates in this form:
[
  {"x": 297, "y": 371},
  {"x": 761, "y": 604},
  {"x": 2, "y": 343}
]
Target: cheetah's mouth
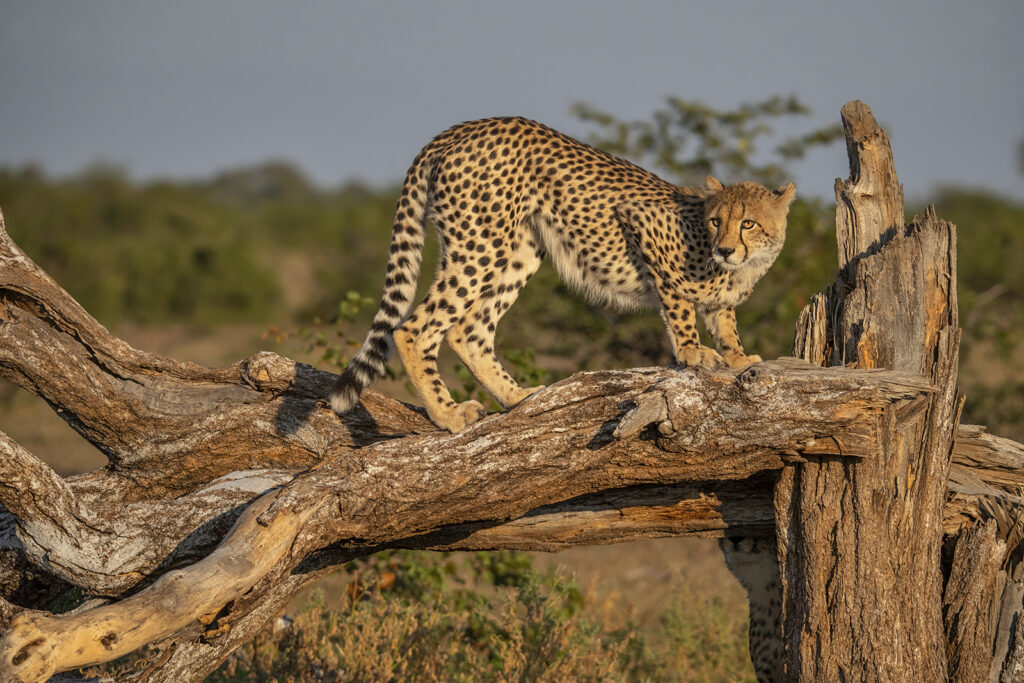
[{"x": 726, "y": 265}]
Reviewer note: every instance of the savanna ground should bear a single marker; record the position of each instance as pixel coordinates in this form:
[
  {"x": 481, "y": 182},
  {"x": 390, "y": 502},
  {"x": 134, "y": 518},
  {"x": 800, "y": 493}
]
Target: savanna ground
[{"x": 259, "y": 258}]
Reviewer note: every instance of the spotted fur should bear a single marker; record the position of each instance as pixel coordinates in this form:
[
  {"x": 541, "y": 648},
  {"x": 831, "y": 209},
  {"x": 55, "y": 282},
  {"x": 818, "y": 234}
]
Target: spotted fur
[
  {"x": 754, "y": 564},
  {"x": 504, "y": 193}
]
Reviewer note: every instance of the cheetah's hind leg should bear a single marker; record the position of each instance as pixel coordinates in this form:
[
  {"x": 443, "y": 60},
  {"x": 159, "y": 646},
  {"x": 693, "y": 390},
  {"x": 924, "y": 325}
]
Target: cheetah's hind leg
[
  {"x": 473, "y": 339},
  {"x": 418, "y": 340},
  {"x": 473, "y": 343}
]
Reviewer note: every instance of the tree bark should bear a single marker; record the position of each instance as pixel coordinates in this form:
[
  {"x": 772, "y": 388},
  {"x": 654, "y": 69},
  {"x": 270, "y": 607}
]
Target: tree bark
[{"x": 229, "y": 490}]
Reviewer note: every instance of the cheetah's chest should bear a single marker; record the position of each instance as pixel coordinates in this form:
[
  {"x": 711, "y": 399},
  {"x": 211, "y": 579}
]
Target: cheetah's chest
[{"x": 735, "y": 287}]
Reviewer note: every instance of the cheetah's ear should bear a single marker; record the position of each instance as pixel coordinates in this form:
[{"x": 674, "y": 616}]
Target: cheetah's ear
[
  {"x": 712, "y": 185},
  {"x": 786, "y": 193}
]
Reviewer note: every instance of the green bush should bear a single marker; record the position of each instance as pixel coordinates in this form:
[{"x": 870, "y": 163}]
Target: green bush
[{"x": 156, "y": 253}]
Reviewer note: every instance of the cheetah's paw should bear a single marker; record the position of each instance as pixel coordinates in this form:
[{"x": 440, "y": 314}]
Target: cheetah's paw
[
  {"x": 740, "y": 360},
  {"x": 700, "y": 355},
  {"x": 460, "y": 416}
]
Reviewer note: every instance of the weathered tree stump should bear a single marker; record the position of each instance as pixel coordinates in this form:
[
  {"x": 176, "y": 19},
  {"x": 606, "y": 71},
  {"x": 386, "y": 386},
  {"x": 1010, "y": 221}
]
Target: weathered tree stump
[
  {"x": 229, "y": 490},
  {"x": 860, "y": 542}
]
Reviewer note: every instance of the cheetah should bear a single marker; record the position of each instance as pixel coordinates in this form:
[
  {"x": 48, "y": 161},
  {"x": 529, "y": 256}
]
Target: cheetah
[{"x": 505, "y": 192}]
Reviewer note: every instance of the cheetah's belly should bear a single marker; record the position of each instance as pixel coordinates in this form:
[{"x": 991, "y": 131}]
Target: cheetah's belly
[{"x": 596, "y": 262}]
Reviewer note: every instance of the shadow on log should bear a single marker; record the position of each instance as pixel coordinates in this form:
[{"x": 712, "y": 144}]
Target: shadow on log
[{"x": 229, "y": 490}]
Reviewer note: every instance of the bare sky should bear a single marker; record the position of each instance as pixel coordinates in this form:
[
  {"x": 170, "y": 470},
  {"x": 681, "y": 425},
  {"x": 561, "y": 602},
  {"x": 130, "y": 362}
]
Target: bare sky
[{"x": 350, "y": 90}]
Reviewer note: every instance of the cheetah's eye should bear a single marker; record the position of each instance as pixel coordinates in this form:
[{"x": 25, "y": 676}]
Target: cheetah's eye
[
  {"x": 748, "y": 224},
  {"x": 715, "y": 222}
]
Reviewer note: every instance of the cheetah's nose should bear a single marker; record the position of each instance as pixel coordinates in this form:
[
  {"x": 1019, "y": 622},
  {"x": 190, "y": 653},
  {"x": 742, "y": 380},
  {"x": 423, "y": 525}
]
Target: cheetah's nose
[{"x": 725, "y": 252}]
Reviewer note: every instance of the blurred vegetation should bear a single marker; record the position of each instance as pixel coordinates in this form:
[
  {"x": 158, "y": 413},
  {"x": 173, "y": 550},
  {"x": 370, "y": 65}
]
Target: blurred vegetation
[
  {"x": 990, "y": 242},
  {"x": 265, "y": 246},
  {"x": 223, "y": 250},
  {"x": 687, "y": 139}
]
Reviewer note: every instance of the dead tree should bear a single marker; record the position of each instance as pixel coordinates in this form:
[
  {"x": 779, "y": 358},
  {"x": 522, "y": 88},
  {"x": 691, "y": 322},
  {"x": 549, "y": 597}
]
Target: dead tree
[{"x": 229, "y": 490}]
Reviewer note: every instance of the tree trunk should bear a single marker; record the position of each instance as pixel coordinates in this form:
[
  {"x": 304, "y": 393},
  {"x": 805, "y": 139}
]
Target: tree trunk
[
  {"x": 859, "y": 542},
  {"x": 868, "y": 592}
]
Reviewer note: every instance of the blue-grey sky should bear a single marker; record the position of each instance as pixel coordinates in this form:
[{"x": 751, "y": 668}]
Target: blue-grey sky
[{"x": 350, "y": 90}]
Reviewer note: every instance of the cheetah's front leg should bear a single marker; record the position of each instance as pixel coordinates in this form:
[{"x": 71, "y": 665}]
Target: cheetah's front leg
[
  {"x": 681, "y": 321},
  {"x": 722, "y": 326},
  {"x": 678, "y": 313}
]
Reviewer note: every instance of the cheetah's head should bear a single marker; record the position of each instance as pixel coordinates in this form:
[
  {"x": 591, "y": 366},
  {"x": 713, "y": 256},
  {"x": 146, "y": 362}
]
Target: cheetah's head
[{"x": 747, "y": 222}]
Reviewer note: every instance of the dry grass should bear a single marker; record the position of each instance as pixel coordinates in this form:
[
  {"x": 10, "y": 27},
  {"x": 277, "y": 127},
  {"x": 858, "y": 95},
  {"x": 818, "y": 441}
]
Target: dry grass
[{"x": 489, "y": 617}]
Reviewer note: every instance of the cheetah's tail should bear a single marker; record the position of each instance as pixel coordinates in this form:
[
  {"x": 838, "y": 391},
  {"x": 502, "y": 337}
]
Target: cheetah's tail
[{"x": 403, "y": 272}]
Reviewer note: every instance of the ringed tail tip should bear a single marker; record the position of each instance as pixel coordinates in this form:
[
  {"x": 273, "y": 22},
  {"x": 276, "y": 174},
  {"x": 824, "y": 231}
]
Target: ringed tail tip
[{"x": 344, "y": 395}]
